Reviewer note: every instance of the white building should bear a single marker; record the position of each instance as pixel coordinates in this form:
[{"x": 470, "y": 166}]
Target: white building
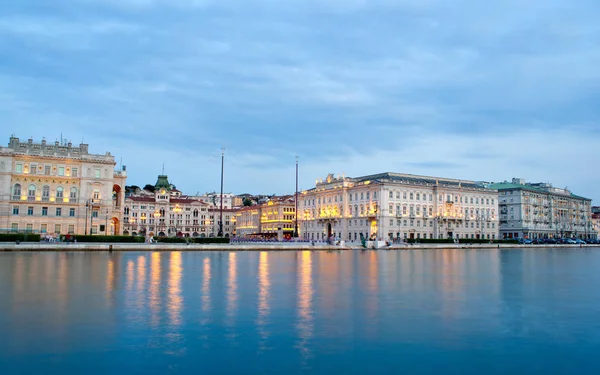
[
  {"x": 539, "y": 210},
  {"x": 59, "y": 189},
  {"x": 397, "y": 206}
]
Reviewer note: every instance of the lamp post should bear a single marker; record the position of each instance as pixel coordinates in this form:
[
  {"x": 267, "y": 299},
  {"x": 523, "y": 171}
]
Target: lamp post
[
  {"x": 106, "y": 223},
  {"x": 296, "y": 202},
  {"x": 220, "y": 233},
  {"x": 91, "y": 218},
  {"x": 87, "y": 204},
  {"x": 157, "y": 218}
]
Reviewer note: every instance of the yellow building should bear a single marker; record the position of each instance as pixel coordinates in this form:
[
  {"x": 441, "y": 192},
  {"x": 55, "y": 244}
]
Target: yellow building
[
  {"x": 59, "y": 189},
  {"x": 267, "y": 219}
]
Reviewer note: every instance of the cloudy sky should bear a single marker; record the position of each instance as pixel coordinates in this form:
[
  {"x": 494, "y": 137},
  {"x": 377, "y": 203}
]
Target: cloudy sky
[{"x": 464, "y": 88}]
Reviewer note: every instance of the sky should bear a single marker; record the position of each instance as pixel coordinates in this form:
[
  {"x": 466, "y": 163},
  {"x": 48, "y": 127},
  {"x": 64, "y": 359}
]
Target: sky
[{"x": 465, "y": 89}]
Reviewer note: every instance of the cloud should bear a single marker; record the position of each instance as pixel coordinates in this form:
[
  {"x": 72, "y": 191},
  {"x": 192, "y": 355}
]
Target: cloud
[{"x": 351, "y": 85}]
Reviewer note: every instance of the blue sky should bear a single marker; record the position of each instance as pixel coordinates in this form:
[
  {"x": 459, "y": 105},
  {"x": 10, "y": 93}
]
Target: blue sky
[{"x": 466, "y": 88}]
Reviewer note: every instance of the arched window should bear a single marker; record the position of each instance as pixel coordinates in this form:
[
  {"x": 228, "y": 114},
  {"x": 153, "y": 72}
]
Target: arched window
[
  {"x": 195, "y": 215},
  {"x": 59, "y": 192},
  {"x": 17, "y": 191},
  {"x": 73, "y": 194},
  {"x": 31, "y": 192}
]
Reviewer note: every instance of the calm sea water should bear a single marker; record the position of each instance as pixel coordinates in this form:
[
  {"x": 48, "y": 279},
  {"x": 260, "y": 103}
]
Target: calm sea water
[{"x": 353, "y": 312}]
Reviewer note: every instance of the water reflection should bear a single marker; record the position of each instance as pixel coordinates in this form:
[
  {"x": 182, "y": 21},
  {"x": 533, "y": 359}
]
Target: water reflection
[
  {"x": 264, "y": 286},
  {"x": 232, "y": 296},
  {"x": 154, "y": 292},
  {"x": 305, "y": 324},
  {"x": 206, "y": 287},
  {"x": 174, "y": 295},
  {"x": 141, "y": 281}
]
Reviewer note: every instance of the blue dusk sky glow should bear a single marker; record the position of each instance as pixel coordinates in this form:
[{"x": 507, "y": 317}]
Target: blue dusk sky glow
[{"x": 467, "y": 89}]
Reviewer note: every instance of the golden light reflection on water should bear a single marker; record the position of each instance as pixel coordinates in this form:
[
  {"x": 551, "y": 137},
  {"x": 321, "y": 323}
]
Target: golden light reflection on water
[
  {"x": 174, "y": 295},
  {"x": 264, "y": 287},
  {"x": 232, "y": 296},
  {"x": 155, "y": 287},
  {"x": 110, "y": 281},
  {"x": 305, "y": 324},
  {"x": 206, "y": 276},
  {"x": 141, "y": 281}
]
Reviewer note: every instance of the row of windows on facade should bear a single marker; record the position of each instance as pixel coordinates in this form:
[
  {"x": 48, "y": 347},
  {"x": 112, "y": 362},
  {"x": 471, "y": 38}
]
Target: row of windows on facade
[
  {"x": 59, "y": 193},
  {"x": 162, "y": 211},
  {"x": 411, "y": 223},
  {"x": 44, "y": 228},
  {"x": 52, "y": 170},
  {"x": 47, "y": 169},
  {"x": 405, "y": 235},
  {"x": 456, "y": 198},
  {"x": 144, "y": 221},
  {"x": 361, "y": 209},
  {"x": 44, "y": 211}
]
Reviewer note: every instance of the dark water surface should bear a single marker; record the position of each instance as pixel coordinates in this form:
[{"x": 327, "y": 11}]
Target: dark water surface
[{"x": 395, "y": 312}]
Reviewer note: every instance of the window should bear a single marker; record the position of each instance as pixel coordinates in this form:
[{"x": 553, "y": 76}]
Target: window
[
  {"x": 44, "y": 228},
  {"x": 97, "y": 172},
  {"x": 73, "y": 194},
  {"x": 411, "y": 195},
  {"x": 74, "y": 172},
  {"x": 17, "y": 191},
  {"x": 47, "y": 170},
  {"x": 29, "y": 228},
  {"x": 30, "y": 211},
  {"x": 71, "y": 212},
  {"x": 58, "y": 211},
  {"x": 33, "y": 169},
  {"x": 59, "y": 192},
  {"x": 57, "y": 228},
  {"x": 31, "y": 192},
  {"x": 368, "y": 195},
  {"x": 61, "y": 171},
  {"x": 71, "y": 229},
  {"x": 15, "y": 210},
  {"x": 96, "y": 195},
  {"x": 374, "y": 195},
  {"x": 46, "y": 193},
  {"x": 19, "y": 168},
  {"x": 44, "y": 211},
  {"x": 95, "y": 213},
  {"x": 14, "y": 227},
  {"x": 391, "y": 194}
]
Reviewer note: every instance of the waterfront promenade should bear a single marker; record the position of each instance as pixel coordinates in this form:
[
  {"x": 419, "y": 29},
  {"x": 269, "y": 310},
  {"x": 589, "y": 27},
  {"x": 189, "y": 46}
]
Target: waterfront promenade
[{"x": 267, "y": 246}]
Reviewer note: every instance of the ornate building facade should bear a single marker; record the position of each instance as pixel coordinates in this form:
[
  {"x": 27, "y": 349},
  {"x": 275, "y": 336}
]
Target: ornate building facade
[
  {"x": 167, "y": 212},
  {"x": 539, "y": 210},
  {"x": 267, "y": 219},
  {"x": 397, "y": 206},
  {"x": 59, "y": 189}
]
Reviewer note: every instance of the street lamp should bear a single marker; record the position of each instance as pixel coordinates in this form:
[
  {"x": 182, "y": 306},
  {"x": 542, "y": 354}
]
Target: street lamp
[
  {"x": 156, "y": 217},
  {"x": 220, "y": 233},
  {"x": 296, "y": 202}
]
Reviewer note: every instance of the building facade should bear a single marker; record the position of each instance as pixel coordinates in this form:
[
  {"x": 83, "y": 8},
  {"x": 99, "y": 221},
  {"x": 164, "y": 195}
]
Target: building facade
[
  {"x": 267, "y": 219},
  {"x": 59, "y": 188},
  {"x": 396, "y": 206},
  {"x": 539, "y": 210},
  {"x": 167, "y": 212}
]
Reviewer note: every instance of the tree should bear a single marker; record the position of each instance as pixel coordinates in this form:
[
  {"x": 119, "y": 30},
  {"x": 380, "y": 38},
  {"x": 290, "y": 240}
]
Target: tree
[
  {"x": 247, "y": 202},
  {"x": 149, "y": 187}
]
